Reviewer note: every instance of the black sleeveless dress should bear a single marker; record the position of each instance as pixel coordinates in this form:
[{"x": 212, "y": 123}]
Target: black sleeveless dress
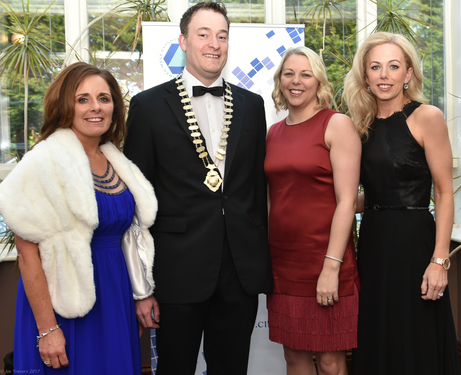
[{"x": 399, "y": 332}]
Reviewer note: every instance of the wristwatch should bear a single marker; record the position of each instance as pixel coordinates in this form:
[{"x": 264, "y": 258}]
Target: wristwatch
[{"x": 445, "y": 263}]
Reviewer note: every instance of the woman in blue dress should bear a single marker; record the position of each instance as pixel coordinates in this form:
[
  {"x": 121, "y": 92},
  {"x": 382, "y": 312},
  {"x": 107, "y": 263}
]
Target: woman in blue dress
[{"x": 69, "y": 201}]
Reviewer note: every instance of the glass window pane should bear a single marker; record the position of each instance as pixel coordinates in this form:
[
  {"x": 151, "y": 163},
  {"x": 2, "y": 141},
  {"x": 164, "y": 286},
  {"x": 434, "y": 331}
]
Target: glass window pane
[
  {"x": 12, "y": 93},
  {"x": 128, "y": 73},
  {"x": 335, "y": 42},
  {"x": 430, "y": 42},
  {"x": 242, "y": 11},
  {"x": 295, "y": 10},
  {"x": 340, "y": 40},
  {"x": 103, "y": 34}
]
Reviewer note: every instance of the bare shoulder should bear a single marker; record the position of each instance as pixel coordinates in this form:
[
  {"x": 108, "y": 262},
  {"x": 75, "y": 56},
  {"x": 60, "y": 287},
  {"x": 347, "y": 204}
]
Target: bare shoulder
[
  {"x": 428, "y": 126},
  {"x": 340, "y": 128},
  {"x": 339, "y": 121},
  {"x": 428, "y": 117}
]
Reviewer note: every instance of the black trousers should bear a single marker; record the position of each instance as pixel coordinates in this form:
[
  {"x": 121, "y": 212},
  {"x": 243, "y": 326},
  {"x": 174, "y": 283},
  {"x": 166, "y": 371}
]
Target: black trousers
[{"x": 226, "y": 320}]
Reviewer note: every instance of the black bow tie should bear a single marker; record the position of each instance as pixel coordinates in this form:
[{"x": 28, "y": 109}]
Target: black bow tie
[{"x": 202, "y": 90}]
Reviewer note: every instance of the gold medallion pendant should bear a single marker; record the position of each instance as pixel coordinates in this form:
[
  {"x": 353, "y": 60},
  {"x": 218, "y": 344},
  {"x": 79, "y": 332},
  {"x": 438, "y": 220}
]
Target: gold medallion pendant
[{"x": 212, "y": 180}]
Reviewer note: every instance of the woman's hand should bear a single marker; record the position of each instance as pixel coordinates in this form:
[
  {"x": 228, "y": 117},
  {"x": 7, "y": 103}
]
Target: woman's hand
[
  {"x": 327, "y": 286},
  {"x": 435, "y": 279},
  {"x": 52, "y": 349}
]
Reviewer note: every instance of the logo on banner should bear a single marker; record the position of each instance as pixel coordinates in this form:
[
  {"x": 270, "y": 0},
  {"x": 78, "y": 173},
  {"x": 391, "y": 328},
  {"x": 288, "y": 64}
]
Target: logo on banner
[{"x": 172, "y": 58}]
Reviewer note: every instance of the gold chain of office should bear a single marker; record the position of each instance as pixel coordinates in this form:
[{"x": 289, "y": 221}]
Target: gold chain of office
[{"x": 212, "y": 180}]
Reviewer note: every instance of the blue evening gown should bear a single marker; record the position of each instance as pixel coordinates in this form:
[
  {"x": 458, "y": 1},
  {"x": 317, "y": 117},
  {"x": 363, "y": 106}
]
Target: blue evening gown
[{"x": 105, "y": 341}]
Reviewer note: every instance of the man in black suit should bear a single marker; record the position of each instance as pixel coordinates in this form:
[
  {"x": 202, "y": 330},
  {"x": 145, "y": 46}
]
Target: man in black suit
[{"x": 205, "y": 158}]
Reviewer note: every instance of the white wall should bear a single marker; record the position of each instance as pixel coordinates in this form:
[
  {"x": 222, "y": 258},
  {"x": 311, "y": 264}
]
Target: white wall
[{"x": 453, "y": 97}]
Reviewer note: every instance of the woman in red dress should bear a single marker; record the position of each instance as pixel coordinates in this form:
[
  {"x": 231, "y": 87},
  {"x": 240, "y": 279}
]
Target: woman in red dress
[{"x": 312, "y": 166}]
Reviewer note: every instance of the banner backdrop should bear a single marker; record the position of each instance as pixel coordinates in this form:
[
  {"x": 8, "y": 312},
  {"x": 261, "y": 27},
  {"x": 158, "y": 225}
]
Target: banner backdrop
[{"x": 255, "y": 51}]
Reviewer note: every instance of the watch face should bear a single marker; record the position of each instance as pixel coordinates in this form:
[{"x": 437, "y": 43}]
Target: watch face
[{"x": 446, "y": 263}]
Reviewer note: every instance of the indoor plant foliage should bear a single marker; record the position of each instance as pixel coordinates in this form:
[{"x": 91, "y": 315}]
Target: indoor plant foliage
[
  {"x": 331, "y": 30},
  {"x": 149, "y": 10},
  {"x": 27, "y": 53}
]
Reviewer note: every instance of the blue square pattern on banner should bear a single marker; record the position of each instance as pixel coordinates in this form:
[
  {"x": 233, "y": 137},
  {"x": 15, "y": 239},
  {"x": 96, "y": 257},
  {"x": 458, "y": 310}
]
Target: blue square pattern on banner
[
  {"x": 281, "y": 50},
  {"x": 252, "y": 73},
  {"x": 245, "y": 79},
  {"x": 295, "y": 34}
]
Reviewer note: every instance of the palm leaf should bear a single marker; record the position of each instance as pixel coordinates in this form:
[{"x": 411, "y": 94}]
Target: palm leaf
[
  {"x": 144, "y": 10},
  {"x": 7, "y": 240},
  {"x": 395, "y": 20},
  {"x": 29, "y": 50},
  {"x": 322, "y": 8}
]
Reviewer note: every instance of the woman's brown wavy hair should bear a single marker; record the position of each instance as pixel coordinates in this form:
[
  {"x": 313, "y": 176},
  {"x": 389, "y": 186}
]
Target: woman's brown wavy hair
[{"x": 59, "y": 102}]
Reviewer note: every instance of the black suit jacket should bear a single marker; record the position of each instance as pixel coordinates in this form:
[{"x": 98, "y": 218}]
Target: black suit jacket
[{"x": 190, "y": 225}]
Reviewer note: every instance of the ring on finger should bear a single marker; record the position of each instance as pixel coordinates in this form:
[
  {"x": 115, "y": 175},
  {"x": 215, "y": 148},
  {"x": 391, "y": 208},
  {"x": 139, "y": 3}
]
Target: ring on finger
[
  {"x": 440, "y": 294},
  {"x": 330, "y": 301},
  {"x": 47, "y": 363}
]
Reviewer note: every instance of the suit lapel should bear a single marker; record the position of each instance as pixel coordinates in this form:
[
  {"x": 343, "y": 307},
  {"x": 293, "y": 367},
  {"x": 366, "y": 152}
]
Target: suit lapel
[
  {"x": 174, "y": 101},
  {"x": 235, "y": 128}
]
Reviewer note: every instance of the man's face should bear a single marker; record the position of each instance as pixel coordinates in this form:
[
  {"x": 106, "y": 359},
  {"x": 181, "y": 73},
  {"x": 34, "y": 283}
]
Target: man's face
[{"x": 206, "y": 45}]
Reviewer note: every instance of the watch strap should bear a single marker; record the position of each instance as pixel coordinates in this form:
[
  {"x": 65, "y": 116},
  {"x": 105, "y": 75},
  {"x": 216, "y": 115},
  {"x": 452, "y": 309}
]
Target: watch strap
[{"x": 444, "y": 262}]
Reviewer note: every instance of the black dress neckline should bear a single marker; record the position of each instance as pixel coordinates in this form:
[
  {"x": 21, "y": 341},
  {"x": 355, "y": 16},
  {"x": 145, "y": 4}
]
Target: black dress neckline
[{"x": 406, "y": 110}]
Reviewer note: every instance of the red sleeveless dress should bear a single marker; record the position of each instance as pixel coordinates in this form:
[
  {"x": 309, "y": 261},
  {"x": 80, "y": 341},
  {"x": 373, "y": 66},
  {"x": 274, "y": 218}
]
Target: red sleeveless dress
[{"x": 303, "y": 202}]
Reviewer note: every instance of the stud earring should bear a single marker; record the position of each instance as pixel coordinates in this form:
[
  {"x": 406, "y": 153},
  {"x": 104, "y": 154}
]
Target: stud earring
[
  {"x": 368, "y": 88},
  {"x": 405, "y": 86}
]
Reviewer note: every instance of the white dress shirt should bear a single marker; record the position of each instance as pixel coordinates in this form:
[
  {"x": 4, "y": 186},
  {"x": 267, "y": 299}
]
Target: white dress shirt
[{"x": 209, "y": 112}]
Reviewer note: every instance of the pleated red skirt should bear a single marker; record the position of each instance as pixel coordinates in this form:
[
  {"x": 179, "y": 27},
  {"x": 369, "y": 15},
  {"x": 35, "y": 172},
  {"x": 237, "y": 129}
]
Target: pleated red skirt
[{"x": 301, "y": 323}]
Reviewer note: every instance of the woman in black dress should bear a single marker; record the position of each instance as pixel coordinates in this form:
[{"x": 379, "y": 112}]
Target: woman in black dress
[{"x": 405, "y": 319}]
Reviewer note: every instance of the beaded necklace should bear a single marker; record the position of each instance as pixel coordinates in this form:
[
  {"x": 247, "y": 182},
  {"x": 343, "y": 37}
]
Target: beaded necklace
[{"x": 99, "y": 180}]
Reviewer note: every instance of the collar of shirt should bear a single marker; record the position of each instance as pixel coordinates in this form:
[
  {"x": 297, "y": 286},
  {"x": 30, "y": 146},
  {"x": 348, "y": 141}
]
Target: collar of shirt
[{"x": 190, "y": 81}]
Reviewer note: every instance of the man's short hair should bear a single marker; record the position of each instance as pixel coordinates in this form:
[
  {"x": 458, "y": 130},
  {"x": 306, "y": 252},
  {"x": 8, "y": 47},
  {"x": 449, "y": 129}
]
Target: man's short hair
[{"x": 189, "y": 13}]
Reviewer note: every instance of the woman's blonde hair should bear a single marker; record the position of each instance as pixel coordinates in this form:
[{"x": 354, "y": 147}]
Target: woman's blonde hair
[
  {"x": 361, "y": 102},
  {"x": 324, "y": 90}
]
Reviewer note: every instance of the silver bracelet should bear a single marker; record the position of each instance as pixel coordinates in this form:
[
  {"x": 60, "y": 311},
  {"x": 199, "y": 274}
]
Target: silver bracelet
[
  {"x": 330, "y": 257},
  {"x": 46, "y": 333}
]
